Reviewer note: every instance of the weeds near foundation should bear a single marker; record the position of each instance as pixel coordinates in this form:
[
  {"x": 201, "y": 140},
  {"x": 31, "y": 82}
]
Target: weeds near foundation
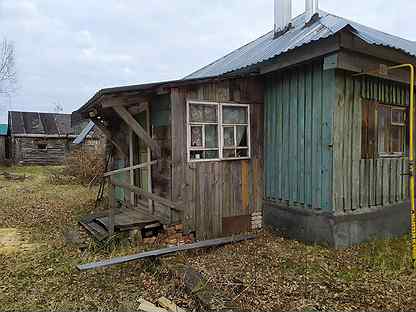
[{"x": 388, "y": 256}]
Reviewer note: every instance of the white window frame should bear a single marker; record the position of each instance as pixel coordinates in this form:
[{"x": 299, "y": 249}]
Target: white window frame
[{"x": 220, "y": 131}]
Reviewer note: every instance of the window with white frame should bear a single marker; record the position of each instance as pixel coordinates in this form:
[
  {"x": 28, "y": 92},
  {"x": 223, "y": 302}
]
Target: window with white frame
[{"x": 218, "y": 131}]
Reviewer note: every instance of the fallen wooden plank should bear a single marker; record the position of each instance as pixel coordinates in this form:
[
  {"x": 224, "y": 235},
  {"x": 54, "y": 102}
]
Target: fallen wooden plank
[
  {"x": 169, "y": 305},
  {"x": 147, "y": 306},
  {"x": 166, "y": 251}
]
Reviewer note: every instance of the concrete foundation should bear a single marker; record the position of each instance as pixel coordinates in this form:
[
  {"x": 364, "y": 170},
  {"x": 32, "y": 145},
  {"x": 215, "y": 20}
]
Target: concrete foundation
[{"x": 338, "y": 231}]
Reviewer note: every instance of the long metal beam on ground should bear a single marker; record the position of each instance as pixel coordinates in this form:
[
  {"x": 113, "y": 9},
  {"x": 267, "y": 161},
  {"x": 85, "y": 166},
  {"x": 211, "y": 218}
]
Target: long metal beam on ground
[{"x": 166, "y": 251}]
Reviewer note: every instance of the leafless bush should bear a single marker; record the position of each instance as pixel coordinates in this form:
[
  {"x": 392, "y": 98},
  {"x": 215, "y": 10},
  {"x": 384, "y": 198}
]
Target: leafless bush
[
  {"x": 86, "y": 166},
  {"x": 7, "y": 67}
]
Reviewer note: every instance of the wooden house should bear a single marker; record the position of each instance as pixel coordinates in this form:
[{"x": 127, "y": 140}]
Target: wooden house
[
  {"x": 3, "y": 143},
  {"x": 39, "y": 138},
  {"x": 303, "y": 129}
]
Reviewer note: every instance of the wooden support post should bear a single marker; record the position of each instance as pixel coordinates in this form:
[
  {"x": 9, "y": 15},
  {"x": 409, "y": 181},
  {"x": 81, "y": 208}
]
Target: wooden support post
[
  {"x": 140, "y": 132},
  {"x": 131, "y": 159},
  {"x": 149, "y": 167},
  {"x": 112, "y": 209}
]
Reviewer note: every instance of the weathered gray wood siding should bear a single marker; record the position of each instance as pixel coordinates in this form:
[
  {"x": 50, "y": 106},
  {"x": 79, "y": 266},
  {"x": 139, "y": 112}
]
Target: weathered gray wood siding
[
  {"x": 364, "y": 183},
  {"x": 25, "y": 151},
  {"x": 298, "y": 137},
  {"x": 3, "y": 142},
  {"x": 215, "y": 190}
]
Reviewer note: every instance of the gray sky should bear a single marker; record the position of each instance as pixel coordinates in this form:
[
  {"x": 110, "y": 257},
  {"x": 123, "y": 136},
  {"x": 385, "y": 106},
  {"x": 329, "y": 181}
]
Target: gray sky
[{"x": 68, "y": 49}]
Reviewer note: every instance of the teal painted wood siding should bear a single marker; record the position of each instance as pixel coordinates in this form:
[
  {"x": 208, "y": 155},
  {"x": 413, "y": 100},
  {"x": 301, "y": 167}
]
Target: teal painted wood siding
[
  {"x": 358, "y": 183},
  {"x": 298, "y": 136}
]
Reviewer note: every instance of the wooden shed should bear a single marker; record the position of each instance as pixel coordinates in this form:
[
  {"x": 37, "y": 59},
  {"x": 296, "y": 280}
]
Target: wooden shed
[
  {"x": 3, "y": 143},
  {"x": 39, "y": 138},
  {"x": 304, "y": 126}
]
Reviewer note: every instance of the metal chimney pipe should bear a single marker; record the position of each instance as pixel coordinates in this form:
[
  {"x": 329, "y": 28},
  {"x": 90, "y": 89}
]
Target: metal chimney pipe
[
  {"x": 282, "y": 15},
  {"x": 311, "y": 8}
]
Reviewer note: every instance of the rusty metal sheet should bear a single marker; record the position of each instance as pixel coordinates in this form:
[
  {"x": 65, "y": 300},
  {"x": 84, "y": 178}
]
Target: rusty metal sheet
[{"x": 235, "y": 225}]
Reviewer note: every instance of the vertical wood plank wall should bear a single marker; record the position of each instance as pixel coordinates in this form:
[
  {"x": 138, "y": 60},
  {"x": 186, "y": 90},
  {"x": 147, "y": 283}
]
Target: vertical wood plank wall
[
  {"x": 364, "y": 183},
  {"x": 216, "y": 190},
  {"x": 298, "y": 136},
  {"x": 3, "y": 141}
]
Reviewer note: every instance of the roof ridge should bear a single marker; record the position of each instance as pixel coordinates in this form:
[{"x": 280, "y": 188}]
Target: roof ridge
[{"x": 351, "y": 22}]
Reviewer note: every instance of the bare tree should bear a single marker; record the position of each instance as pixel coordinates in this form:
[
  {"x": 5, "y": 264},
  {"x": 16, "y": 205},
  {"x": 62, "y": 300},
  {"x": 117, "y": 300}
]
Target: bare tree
[
  {"x": 8, "y": 77},
  {"x": 58, "y": 107}
]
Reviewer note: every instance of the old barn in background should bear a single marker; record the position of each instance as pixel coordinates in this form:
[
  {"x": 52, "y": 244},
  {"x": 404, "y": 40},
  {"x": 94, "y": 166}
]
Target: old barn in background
[{"x": 39, "y": 138}]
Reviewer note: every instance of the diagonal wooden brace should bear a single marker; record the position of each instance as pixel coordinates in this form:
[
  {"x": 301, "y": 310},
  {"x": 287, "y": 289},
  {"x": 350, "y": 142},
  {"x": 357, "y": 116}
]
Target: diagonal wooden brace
[
  {"x": 107, "y": 133},
  {"x": 138, "y": 130}
]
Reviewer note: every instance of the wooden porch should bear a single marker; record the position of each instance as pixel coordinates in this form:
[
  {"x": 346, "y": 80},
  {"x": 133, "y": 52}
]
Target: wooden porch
[{"x": 142, "y": 206}]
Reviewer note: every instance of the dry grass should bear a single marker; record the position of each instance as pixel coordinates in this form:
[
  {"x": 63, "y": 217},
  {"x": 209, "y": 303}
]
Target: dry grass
[
  {"x": 84, "y": 165},
  {"x": 266, "y": 274}
]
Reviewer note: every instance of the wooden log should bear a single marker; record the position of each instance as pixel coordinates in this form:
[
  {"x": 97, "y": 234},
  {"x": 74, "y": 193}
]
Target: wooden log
[
  {"x": 137, "y": 128},
  {"x": 166, "y": 251}
]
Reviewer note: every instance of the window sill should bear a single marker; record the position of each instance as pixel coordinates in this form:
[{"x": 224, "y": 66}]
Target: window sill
[{"x": 217, "y": 160}]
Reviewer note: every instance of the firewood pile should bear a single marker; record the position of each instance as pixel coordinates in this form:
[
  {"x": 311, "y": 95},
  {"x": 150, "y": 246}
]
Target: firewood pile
[{"x": 171, "y": 235}]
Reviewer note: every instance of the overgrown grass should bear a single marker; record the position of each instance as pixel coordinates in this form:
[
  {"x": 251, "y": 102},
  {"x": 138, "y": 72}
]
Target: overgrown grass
[{"x": 267, "y": 274}]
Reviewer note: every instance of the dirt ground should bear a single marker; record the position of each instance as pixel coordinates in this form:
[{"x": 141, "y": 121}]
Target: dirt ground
[{"x": 38, "y": 271}]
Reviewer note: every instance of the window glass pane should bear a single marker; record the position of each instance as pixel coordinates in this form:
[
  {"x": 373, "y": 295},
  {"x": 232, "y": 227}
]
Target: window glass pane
[
  {"x": 242, "y": 153},
  {"x": 196, "y": 113},
  {"x": 212, "y": 154},
  {"x": 235, "y": 115},
  {"x": 203, "y": 113},
  {"x": 229, "y": 153},
  {"x": 195, "y": 155},
  {"x": 397, "y": 116},
  {"x": 397, "y": 133},
  {"x": 210, "y": 113},
  {"x": 196, "y": 136},
  {"x": 229, "y": 137},
  {"x": 242, "y": 136},
  {"x": 211, "y": 136},
  {"x": 383, "y": 141}
]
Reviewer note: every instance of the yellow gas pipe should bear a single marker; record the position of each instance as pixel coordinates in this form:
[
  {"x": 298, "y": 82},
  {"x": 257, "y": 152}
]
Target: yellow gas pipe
[{"x": 411, "y": 155}]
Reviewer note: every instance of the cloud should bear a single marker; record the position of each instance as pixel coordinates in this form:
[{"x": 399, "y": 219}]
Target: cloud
[{"x": 68, "y": 49}]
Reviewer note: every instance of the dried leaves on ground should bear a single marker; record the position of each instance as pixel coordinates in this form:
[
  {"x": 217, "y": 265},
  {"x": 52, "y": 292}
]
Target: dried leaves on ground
[{"x": 267, "y": 274}]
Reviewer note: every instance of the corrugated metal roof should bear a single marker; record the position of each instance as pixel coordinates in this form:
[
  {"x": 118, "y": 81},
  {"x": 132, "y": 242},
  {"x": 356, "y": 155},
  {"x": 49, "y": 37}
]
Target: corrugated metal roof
[
  {"x": 40, "y": 123},
  {"x": 80, "y": 139},
  {"x": 3, "y": 129},
  {"x": 266, "y": 47}
]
